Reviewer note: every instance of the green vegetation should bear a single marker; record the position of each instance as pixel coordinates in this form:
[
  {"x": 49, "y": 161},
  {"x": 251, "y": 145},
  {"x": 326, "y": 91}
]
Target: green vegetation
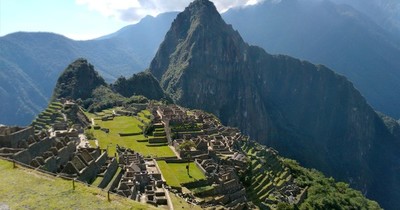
[
  {"x": 202, "y": 189},
  {"x": 145, "y": 116},
  {"x": 89, "y": 134},
  {"x": 267, "y": 173},
  {"x": 28, "y": 189},
  {"x": 142, "y": 83},
  {"x": 185, "y": 127},
  {"x": 325, "y": 193},
  {"x": 176, "y": 173},
  {"x": 124, "y": 124},
  {"x": 102, "y": 98},
  {"x": 78, "y": 80}
]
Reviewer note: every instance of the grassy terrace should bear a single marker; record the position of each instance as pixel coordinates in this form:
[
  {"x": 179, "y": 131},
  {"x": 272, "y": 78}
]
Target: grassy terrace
[
  {"x": 175, "y": 173},
  {"x": 124, "y": 124},
  {"x": 48, "y": 116},
  {"x": 144, "y": 115},
  {"x": 27, "y": 189}
]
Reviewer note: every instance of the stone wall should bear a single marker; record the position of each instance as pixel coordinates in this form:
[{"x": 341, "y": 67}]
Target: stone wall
[
  {"x": 198, "y": 183},
  {"x": 109, "y": 173},
  {"x": 50, "y": 164},
  {"x": 11, "y": 136},
  {"x": 89, "y": 173},
  {"x": 115, "y": 182},
  {"x": 33, "y": 150},
  {"x": 66, "y": 153}
]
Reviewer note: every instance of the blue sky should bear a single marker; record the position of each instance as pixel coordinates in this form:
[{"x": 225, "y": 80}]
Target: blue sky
[{"x": 86, "y": 19}]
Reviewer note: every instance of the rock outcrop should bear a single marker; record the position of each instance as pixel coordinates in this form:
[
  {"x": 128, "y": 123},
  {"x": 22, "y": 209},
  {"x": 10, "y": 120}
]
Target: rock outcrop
[{"x": 305, "y": 111}]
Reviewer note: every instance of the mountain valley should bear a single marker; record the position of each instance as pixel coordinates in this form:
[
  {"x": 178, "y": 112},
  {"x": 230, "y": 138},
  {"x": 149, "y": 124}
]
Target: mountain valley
[{"x": 249, "y": 120}]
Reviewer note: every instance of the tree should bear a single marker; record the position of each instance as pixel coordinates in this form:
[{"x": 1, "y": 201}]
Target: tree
[{"x": 187, "y": 146}]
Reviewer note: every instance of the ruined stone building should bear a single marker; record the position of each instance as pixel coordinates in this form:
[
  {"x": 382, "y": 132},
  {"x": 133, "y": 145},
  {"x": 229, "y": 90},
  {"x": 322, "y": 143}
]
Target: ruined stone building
[{"x": 141, "y": 180}]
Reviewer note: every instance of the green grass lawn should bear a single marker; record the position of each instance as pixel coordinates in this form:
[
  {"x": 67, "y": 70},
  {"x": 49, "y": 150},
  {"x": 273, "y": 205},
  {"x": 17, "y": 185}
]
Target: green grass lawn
[
  {"x": 126, "y": 124},
  {"x": 122, "y": 124},
  {"x": 175, "y": 173},
  {"x": 27, "y": 189}
]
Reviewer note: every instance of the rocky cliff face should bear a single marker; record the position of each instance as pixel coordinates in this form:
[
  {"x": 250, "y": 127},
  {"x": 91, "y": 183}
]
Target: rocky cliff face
[
  {"x": 305, "y": 111},
  {"x": 142, "y": 83},
  {"x": 78, "y": 80}
]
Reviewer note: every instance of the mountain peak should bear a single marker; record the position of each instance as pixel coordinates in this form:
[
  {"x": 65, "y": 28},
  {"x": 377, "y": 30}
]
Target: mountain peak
[
  {"x": 202, "y": 7},
  {"x": 78, "y": 80},
  {"x": 197, "y": 36}
]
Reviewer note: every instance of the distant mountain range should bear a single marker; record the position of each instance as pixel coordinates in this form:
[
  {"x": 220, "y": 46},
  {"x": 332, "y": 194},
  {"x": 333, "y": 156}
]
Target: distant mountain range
[
  {"x": 30, "y": 63},
  {"x": 337, "y": 36},
  {"x": 306, "y": 111},
  {"x": 348, "y": 41},
  {"x": 385, "y": 13}
]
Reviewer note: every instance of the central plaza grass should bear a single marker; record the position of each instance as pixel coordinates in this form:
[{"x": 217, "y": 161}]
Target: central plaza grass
[
  {"x": 175, "y": 173},
  {"x": 125, "y": 124},
  {"x": 22, "y": 188}
]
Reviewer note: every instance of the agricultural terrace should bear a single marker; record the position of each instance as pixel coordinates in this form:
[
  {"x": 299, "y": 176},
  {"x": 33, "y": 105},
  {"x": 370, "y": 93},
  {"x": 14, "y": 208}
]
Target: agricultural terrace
[
  {"x": 22, "y": 188},
  {"x": 177, "y": 173},
  {"x": 127, "y": 125}
]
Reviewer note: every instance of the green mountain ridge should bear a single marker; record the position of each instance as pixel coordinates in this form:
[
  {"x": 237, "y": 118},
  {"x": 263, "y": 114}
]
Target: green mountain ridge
[
  {"x": 305, "y": 111},
  {"x": 80, "y": 81}
]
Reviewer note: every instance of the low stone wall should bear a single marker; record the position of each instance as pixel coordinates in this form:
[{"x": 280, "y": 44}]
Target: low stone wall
[
  {"x": 158, "y": 140},
  {"x": 201, "y": 168},
  {"x": 176, "y": 160},
  {"x": 18, "y": 134},
  {"x": 130, "y": 134}
]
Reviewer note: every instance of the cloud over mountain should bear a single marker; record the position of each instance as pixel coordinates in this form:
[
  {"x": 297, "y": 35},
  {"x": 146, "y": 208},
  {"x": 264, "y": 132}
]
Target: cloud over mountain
[{"x": 134, "y": 10}]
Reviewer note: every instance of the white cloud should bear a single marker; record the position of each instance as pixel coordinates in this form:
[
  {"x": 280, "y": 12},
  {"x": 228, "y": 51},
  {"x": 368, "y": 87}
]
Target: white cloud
[{"x": 134, "y": 10}]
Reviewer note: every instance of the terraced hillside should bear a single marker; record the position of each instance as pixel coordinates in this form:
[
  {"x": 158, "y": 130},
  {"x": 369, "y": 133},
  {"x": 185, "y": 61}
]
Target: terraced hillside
[
  {"x": 274, "y": 182},
  {"x": 269, "y": 181},
  {"x": 52, "y": 114}
]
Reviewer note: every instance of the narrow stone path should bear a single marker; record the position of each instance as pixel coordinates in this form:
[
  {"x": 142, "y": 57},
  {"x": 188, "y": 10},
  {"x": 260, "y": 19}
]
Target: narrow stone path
[{"x": 173, "y": 150}]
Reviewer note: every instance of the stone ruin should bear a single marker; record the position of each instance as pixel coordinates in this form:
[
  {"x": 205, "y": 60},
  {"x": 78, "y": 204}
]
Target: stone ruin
[
  {"x": 141, "y": 179},
  {"x": 55, "y": 153}
]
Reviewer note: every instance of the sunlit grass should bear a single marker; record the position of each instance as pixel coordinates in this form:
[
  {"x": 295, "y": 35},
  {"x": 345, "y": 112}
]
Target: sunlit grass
[
  {"x": 176, "y": 173},
  {"x": 124, "y": 124},
  {"x": 27, "y": 189}
]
